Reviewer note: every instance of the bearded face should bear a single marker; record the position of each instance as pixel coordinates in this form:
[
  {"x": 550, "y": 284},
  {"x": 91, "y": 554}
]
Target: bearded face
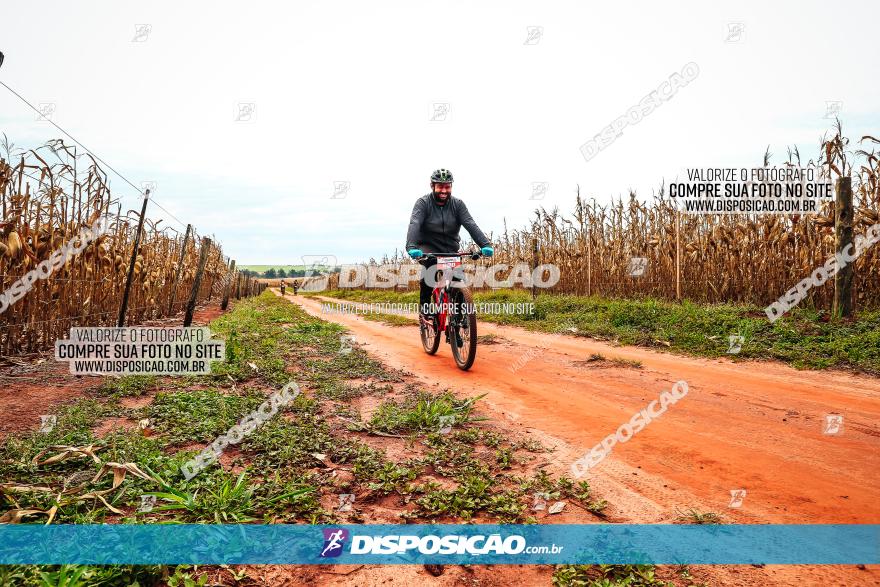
[{"x": 442, "y": 192}]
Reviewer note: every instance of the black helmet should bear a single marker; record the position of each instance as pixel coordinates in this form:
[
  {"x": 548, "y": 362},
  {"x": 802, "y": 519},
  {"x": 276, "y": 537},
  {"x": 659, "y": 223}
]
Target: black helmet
[{"x": 441, "y": 176}]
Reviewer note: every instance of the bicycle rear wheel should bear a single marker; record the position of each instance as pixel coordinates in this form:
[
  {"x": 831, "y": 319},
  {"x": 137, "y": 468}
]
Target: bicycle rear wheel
[{"x": 463, "y": 325}]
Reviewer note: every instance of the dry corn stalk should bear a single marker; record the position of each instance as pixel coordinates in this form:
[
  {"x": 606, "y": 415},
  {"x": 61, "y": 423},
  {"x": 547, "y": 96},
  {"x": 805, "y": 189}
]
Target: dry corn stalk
[
  {"x": 724, "y": 258},
  {"x": 47, "y": 196}
]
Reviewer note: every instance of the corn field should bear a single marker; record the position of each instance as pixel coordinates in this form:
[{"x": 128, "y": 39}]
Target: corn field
[
  {"x": 721, "y": 258},
  {"x": 48, "y": 195}
]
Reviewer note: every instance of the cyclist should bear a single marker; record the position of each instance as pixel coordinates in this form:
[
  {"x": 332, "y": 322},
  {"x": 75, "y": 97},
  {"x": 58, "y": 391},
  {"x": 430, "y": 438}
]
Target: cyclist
[{"x": 433, "y": 227}]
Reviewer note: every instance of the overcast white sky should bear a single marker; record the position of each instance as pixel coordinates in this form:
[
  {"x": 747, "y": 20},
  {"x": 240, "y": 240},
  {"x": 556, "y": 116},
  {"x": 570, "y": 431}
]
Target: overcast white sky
[{"x": 344, "y": 91}]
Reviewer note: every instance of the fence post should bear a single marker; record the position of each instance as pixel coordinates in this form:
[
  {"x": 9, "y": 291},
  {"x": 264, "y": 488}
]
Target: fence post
[
  {"x": 677, "y": 256},
  {"x": 843, "y": 235},
  {"x": 534, "y": 265},
  {"x": 194, "y": 294},
  {"x": 213, "y": 277},
  {"x": 179, "y": 268},
  {"x": 134, "y": 253},
  {"x": 590, "y": 262},
  {"x": 229, "y": 275}
]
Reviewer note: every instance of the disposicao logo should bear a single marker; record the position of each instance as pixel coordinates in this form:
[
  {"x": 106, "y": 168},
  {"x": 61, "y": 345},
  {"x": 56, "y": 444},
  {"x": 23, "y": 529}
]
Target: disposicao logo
[{"x": 334, "y": 539}]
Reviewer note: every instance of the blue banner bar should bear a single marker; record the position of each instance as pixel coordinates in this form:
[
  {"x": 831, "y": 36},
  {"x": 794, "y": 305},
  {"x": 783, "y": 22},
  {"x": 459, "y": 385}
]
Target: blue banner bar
[{"x": 202, "y": 544}]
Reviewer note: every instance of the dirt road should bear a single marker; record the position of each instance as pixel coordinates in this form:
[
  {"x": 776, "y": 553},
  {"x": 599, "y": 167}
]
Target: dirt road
[{"x": 750, "y": 425}]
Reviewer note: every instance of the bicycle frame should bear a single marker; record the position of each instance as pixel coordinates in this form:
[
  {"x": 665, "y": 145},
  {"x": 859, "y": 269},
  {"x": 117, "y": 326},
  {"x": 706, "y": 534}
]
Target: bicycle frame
[
  {"x": 440, "y": 294},
  {"x": 445, "y": 277}
]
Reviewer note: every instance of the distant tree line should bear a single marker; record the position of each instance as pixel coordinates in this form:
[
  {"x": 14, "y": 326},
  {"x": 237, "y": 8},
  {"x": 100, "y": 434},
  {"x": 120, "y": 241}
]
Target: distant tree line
[{"x": 281, "y": 273}]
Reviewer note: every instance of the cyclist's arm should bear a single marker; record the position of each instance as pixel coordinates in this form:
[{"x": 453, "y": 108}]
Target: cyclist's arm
[
  {"x": 464, "y": 216},
  {"x": 415, "y": 225}
]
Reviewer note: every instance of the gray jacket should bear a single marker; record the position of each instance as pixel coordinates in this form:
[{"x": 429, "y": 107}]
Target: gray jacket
[{"x": 434, "y": 228}]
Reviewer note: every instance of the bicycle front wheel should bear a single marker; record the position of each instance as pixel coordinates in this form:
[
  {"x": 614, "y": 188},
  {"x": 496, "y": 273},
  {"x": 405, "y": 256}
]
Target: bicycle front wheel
[
  {"x": 430, "y": 335},
  {"x": 463, "y": 326}
]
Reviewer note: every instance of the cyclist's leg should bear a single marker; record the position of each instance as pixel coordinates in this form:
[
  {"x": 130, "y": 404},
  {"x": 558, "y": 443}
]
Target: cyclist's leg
[{"x": 425, "y": 290}]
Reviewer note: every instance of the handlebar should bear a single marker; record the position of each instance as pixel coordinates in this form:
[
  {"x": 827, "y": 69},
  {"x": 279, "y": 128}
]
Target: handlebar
[{"x": 474, "y": 255}]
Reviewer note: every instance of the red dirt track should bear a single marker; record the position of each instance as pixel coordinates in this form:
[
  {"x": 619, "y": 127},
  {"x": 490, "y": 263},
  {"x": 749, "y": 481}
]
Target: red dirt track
[{"x": 748, "y": 425}]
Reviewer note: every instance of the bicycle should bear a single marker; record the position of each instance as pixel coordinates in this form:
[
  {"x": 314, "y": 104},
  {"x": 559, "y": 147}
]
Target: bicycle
[{"x": 459, "y": 325}]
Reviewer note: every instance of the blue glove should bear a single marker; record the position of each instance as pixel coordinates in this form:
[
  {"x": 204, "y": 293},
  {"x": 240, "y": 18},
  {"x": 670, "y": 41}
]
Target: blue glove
[
  {"x": 416, "y": 253},
  {"x": 487, "y": 251}
]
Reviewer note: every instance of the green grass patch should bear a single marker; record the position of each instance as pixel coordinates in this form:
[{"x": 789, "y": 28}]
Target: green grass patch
[
  {"x": 422, "y": 412},
  {"x": 607, "y": 576},
  {"x": 599, "y": 360},
  {"x": 128, "y": 385},
  {"x": 694, "y": 516},
  {"x": 260, "y": 334},
  {"x": 475, "y": 494},
  {"x": 81, "y": 576},
  {"x": 199, "y": 415},
  {"x": 227, "y": 500}
]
